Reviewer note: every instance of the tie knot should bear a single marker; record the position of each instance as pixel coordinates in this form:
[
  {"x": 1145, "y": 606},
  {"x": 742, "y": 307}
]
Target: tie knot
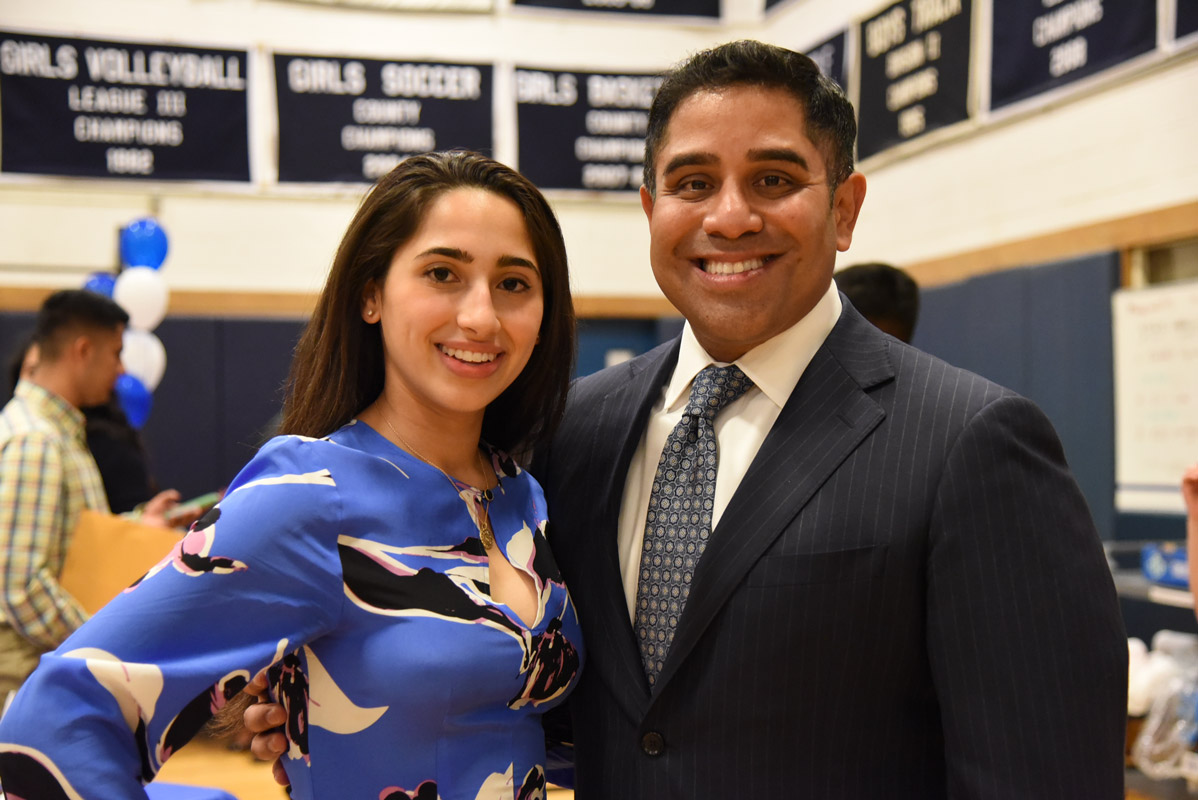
[{"x": 715, "y": 387}]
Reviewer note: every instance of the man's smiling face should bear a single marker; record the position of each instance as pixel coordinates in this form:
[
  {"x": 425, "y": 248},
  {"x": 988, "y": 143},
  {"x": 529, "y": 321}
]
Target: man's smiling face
[{"x": 745, "y": 226}]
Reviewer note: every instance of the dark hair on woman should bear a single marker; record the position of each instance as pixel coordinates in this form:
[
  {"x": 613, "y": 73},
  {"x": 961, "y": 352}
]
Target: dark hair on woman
[
  {"x": 831, "y": 123},
  {"x": 338, "y": 366}
]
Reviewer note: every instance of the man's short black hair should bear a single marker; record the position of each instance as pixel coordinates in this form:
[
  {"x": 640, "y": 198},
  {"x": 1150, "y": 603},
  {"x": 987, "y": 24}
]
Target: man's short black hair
[
  {"x": 72, "y": 311},
  {"x": 831, "y": 123},
  {"x": 885, "y": 295}
]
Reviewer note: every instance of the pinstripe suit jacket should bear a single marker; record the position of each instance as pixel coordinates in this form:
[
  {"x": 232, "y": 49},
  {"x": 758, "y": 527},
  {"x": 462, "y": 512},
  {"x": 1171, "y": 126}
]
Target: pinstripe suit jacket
[{"x": 905, "y": 598}]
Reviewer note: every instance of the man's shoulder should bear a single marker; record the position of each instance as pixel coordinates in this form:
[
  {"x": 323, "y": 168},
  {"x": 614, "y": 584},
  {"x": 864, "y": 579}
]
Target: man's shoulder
[
  {"x": 21, "y": 422},
  {"x": 930, "y": 389}
]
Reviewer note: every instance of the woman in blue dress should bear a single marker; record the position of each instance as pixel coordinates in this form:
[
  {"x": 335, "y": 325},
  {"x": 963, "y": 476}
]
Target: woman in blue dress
[{"x": 386, "y": 558}]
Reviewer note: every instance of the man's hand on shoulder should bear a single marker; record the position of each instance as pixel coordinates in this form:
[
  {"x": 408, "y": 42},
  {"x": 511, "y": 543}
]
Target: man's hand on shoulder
[{"x": 263, "y": 720}]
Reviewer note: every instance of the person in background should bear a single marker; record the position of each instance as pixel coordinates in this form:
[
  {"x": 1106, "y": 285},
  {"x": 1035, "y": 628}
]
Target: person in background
[
  {"x": 386, "y": 557},
  {"x": 116, "y": 446},
  {"x": 885, "y": 295},
  {"x": 47, "y": 474}
]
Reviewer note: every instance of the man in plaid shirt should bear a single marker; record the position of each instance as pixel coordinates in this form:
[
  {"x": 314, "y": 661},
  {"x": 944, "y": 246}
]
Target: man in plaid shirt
[{"x": 47, "y": 474}]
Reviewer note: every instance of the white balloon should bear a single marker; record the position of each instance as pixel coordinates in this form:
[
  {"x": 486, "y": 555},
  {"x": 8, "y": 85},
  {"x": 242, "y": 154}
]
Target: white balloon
[
  {"x": 142, "y": 292},
  {"x": 144, "y": 357}
]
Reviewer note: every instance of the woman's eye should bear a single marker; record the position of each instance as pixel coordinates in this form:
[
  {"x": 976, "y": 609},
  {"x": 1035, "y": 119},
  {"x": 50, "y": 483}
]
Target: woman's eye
[
  {"x": 440, "y": 274},
  {"x": 514, "y": 285}
]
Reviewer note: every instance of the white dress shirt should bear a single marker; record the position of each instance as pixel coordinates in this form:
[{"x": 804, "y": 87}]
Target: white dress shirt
[{"x": 774, "y": 366}]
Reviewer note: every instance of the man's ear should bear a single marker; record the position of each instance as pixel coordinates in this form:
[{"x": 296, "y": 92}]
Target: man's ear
[
  {"x": 371, "y": 302},
  {"x": 647, "y": 203},
  {"x": 846, "y": 205},
  {"x": 82, "y": 347}
]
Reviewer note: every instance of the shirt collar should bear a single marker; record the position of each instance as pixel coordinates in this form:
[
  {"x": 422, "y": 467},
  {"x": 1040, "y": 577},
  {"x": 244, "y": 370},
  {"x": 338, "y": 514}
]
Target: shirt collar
[
  {"x": 52, "y": 407},
  {"x": 774, "y": 366}
]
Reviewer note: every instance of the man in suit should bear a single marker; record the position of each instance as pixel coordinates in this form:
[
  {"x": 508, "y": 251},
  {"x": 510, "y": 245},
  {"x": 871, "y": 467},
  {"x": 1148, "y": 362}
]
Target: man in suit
[
  {"x": 892, "y": 588},
  {"x": 902, "y": 594}
]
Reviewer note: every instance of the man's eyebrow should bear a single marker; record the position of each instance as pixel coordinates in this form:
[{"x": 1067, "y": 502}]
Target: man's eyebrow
[
  {"x": 689, "y": 160},
  {"x": 778, "y": 154}
]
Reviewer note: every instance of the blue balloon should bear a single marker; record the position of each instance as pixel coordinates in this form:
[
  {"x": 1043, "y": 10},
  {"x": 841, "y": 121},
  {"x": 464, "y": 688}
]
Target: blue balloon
[
  {"x": 135, "y": 399},
  {"x": 143, "y": 243},
  {"x": 100, "y": 283}
]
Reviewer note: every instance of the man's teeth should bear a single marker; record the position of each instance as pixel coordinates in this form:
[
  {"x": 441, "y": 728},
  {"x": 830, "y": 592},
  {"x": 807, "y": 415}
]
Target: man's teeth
[
  {"x": 468, "y": 355},
  {"x": 731, "y": 267}
]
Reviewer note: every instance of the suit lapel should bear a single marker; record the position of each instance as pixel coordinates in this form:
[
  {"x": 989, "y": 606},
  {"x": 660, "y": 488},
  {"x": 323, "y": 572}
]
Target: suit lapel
[
  {"x": 827, "y": 416},
  {"x": 620, "y": 420}
]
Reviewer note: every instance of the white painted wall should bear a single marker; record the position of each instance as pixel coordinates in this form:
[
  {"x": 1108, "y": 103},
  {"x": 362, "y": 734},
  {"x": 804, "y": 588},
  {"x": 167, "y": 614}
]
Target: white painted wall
[{"x": 1122, "y": 149}]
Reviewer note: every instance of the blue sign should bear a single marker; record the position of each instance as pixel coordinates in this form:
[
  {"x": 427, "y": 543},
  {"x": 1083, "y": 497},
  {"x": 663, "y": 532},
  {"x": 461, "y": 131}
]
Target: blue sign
[
  {"x": 122, "y": 110},
  {"x": 829, "y": 56},
  {"x": 1044, "y": 45},
  {"x": 914, "y": 71},
  {"x": 346, "y": 119}
]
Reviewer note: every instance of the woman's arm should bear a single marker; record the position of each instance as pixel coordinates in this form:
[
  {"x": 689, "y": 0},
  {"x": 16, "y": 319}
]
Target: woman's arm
[{"x": 257, "y": 577}]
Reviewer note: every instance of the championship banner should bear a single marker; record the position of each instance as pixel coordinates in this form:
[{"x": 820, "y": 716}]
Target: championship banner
[
  {"x": 674, "y": 8},
  {"x": 345, "y": 119},
  {"x": 1040, "y": 46},
  {"x": 829, "y": 56},
  {"x": 91, "y": 108},
  {"x": 1187, "y": 18},
  {"x": 583, "y": 130},
  {"x": 914, "y": 71}
]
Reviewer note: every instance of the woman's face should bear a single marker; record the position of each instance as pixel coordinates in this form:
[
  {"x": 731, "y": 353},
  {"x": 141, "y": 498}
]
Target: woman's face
[{"x": 460, "y": 307}]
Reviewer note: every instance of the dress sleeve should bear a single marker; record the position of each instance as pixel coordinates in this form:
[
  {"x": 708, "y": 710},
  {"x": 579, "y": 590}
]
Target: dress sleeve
[
  {"x": 255, "y": 578},
  {"x": 30, "y": 495}
]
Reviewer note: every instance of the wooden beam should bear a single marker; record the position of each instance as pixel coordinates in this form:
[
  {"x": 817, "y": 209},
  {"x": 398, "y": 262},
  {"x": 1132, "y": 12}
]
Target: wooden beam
[
  {"x": 613, "y": 307},
  {"x": 1149, "y": 228}
]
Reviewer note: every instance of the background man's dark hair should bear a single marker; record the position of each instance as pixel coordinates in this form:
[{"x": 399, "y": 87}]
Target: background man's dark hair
[
  {"x": 68, "y": 312},
  {"x": 831, "y": 123},
  {"x": 885, "y": 295}
]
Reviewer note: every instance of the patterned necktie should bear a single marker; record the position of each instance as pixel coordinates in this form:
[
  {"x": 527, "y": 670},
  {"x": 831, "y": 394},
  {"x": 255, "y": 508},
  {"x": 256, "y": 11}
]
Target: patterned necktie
[{"x": 679, "y": 520}]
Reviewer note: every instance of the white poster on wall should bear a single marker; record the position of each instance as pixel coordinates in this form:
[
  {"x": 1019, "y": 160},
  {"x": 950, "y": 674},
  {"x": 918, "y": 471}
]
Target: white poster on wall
[{"x": 1156, "y": 395}]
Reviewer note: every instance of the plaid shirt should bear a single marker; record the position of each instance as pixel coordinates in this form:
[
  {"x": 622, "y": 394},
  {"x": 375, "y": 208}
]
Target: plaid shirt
[{"x": 47, "y": 476}]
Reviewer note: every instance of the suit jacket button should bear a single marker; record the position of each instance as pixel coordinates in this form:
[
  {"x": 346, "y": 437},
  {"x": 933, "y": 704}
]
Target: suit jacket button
[{"x": 652, "y": 744}]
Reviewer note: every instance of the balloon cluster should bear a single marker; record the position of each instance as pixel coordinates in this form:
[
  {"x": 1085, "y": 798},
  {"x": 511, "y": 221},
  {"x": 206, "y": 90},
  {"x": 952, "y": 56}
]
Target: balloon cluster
[{"x": 140, "y": 290}]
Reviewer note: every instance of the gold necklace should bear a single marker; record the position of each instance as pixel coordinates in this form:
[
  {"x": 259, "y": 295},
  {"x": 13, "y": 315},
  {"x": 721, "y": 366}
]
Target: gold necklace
[{"x": 485, "y": 534}]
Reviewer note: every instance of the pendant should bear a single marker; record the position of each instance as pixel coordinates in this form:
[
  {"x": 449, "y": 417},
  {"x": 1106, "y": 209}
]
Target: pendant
[{"x": 485, "y": 534}]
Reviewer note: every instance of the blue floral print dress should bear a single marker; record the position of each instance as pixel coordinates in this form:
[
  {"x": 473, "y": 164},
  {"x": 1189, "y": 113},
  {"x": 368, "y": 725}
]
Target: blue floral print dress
[{"x": 355, "y": 570}]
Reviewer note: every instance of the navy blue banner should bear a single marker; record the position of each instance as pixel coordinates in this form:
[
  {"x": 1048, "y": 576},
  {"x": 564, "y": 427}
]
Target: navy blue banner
[
  {"x": 583, "y": 130},
  {"x": 353, "y": 119},
  {"x": 915, "y": 59},
  {"x": 90, "y": 108},
  {"x": 1040, "y": 46},
  {"x": 1187, "y": 17},
  {"x": 829, "y": 56},
  {"x": 675, "y": 8}
]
